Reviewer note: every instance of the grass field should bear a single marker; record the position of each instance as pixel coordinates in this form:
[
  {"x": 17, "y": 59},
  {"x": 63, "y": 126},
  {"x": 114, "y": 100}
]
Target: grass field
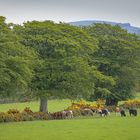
[
  {"x": 109, "y": 128},
  {"x": 138, "y": 95},
  {"x": 53, "y": 105},
  {"x": 91, "y": 128}
]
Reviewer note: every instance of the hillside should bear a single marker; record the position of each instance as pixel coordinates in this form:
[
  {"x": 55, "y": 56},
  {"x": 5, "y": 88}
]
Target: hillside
[{"x": 127, "y": 26}]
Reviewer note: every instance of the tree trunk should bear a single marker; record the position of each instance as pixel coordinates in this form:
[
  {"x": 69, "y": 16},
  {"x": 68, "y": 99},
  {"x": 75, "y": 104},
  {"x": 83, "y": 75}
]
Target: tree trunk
[
  {"x": 111, "y": 102},
  {"x": 43, "y": 105}
]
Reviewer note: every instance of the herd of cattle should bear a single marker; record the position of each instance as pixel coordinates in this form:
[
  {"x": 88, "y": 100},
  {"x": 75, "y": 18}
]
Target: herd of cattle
[{"x": 68, "y": 114}]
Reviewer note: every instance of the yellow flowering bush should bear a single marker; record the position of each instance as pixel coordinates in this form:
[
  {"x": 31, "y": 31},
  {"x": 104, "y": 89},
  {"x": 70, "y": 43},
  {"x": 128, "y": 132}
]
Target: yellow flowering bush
[
  {"x": 77, "y": 107},
  {"x": 132, "y": 103},
  {"x": 99, "y": 104},
  {"x": 14, "y": 115}
]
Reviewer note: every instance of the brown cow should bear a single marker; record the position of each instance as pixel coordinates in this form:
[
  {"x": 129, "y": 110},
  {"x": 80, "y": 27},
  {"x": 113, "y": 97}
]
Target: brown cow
[
  {"x": 69, "y": 114},
  {"x": 87, "y": 111},
  {"x": 117, "y": 110},
  {"x": 62, "y": 114}
]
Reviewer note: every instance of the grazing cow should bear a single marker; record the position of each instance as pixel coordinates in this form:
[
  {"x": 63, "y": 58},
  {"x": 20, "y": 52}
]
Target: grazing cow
[
  {"x": 133, "y": 112},
  {"x": 122, "y": 112},
  {"x": 62, "y": 114},
  {"x": 87, "y": 111},
  {"x": 103, "y": 112},
  {"x": 69, "y": 114},
  {"x": 117, "y": 110},
  {"x": 57, "y": 115}
]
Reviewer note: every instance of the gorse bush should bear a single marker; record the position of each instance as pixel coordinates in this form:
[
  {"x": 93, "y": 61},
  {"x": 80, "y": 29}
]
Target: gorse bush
[
  {"x": 99, "y": 104},
  {"x": 14, "y": 115},
  {"x": 28, "y": 111},
  {"x": 78, "y": 107},
  {"x": 13, "y": 111},
  {"x": 40, "y": 116},
  {"x": 131, "y": 103},
  {"x": 5, "y": 117}
]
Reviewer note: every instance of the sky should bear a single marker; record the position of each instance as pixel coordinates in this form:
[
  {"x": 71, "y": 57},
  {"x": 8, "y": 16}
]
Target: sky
[{"x": 19, "y": 11}]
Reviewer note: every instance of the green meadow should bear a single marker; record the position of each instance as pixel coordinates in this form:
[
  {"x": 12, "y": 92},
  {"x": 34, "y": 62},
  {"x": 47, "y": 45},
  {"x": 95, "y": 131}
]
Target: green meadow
[
  {"x": 109, "y": 128},
  {"x": 53, "y": 105},
  {"x": 82, "y": 128}
]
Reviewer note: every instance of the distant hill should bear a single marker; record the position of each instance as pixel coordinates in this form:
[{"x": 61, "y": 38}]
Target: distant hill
[{"x": 127, "y": 26}]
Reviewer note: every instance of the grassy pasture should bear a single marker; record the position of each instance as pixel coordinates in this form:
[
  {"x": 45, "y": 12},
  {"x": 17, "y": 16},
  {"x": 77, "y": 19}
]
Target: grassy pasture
[
  {"x": 83, "y": 128},
  {"x": 53, "y": 105},
  {"x": 138, "y": 95},
  {"x": 109, "y": 128}
]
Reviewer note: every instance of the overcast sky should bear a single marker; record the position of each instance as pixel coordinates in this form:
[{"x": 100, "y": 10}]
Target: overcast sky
[{"x": 19, "y": 11}]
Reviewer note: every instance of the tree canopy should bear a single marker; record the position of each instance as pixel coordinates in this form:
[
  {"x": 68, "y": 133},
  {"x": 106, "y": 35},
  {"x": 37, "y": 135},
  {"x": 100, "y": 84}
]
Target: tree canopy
[
  {"x": 118, "y": 56},
  {"x": 57, "y": 60},
  {"x": 65, "y": 52},
  {"x": 16, "y": 62}
]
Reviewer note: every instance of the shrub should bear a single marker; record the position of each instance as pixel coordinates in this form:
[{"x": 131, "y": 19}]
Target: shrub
[
  {"x": 26, "y": 117},
  {"x": 40, "y": 116},
  {"x": 28, "y": 110},
  {"x": 77, "y": 112},
  {"x": 2, "y": 116},
  {"x": 13, "y": 111},
  {"x": 131, "y": 103},
  {"x": 8, "y": 117},
  {"x": 14, "y": 115},
  {"x": 99, "y": 104}
]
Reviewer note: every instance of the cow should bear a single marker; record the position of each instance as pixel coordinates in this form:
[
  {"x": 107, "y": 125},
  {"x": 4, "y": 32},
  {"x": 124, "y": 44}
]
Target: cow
[
  {"x": 62, "y": 114},
  {"x": 57, "y": 115},
  {"x": 133, "y": 112},
  {"x": 117, "y": 110},
  {"x": 69, "y": 114},
  {"x": 103, "y": 112},
  {"x": 87, "y": 111},
  {"x": 122, "y": 112}
]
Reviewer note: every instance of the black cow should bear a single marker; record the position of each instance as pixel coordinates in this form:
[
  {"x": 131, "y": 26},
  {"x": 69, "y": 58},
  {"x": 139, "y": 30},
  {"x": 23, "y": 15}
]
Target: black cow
[
  {"x": 133, "y": 112},
  {"x": 104, "y": 112},
  {"x": 122, "y": 112}
]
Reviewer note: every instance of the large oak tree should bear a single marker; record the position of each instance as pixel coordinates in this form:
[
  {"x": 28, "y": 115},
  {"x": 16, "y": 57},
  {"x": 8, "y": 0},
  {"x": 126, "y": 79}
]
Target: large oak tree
[{"x": 64, "y": 51}]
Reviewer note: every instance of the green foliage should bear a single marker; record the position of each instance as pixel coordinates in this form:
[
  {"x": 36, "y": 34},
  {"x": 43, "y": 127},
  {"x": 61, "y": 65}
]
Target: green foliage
[
  {"x": 118, "y": 56},
  {"x": 16, "y": 62},
  {"x": 62, "y": 61},
  {"x": 64, "y": 52}
]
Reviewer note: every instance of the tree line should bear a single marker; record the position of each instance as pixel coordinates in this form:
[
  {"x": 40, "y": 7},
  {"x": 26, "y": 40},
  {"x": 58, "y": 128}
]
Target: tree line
[{"x": 57, "y": 60}]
